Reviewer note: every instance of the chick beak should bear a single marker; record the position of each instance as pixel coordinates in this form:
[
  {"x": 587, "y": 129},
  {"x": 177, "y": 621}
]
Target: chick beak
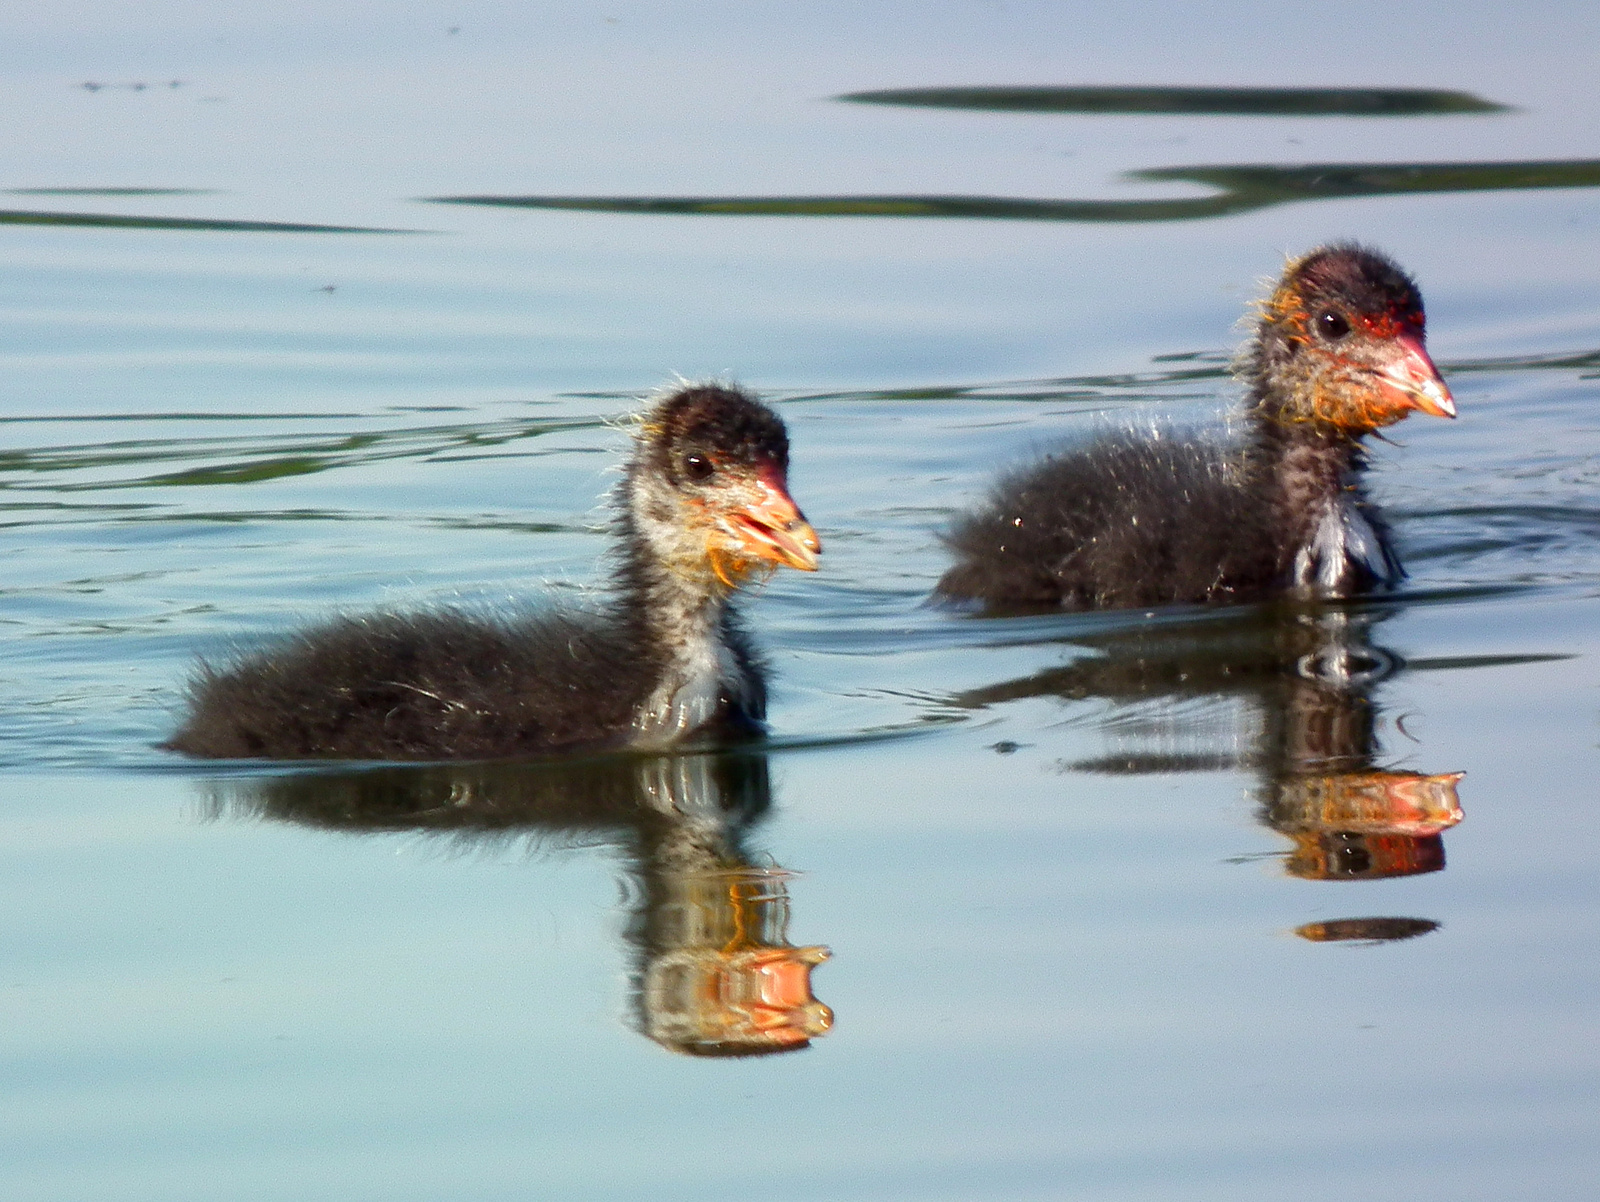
[
  {"x": 1412, "y": 374},
  {"x": 773, "y": 528}
]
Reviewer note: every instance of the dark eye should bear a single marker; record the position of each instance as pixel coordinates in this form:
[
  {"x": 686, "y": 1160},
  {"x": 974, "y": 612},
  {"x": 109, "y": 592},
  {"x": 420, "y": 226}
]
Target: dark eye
[
  {"x": 698, "y": 468},
  {"x": 1331, "y": 325}
]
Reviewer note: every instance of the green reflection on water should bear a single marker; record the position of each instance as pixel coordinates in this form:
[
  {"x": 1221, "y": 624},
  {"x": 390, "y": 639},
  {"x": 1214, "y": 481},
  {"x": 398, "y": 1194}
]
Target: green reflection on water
[
  {"x": 244, "y": 473},
  {"x": 123, "y": 221},
  {"x": 1249, "y": 102},
  {"x": 1241, "y": 189},
  {"x": 110, "y": 191},
  {"x": 248, "y": 458}
]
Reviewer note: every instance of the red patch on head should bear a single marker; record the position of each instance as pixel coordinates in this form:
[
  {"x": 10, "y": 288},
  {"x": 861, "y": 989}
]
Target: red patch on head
[
  {"x": 1392, "y": 322},
  {"x": 770, "y": 472}
]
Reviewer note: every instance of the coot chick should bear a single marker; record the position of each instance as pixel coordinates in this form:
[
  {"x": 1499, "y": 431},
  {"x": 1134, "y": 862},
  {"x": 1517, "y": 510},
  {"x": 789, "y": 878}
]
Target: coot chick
[
  {"x": 1140, "y": 521},
  {"x": 702, "y": 507}
]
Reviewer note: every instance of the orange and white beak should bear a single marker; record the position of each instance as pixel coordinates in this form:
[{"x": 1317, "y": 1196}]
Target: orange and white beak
[
  {"x": 772, "y": 527},
  {"x": 1411, "y": 374}
]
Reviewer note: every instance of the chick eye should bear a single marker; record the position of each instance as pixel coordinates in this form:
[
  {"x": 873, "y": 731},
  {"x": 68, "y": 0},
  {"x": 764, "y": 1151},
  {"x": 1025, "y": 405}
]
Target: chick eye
[
  {"x": 1331, "y": 325},
  {"x": 698, "y": 468}
]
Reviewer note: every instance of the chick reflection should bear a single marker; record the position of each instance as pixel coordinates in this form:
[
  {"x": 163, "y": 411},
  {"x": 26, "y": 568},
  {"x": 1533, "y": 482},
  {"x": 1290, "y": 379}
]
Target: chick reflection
[
  {"x": 1285, "y": 691},
  {"x": 714, "y": 972}
]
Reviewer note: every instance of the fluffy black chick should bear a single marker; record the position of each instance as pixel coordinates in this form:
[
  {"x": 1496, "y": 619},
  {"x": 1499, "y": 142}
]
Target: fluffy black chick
[
  {"x": 703, "y": 505},
  {"x": 1164, "y": 518}
]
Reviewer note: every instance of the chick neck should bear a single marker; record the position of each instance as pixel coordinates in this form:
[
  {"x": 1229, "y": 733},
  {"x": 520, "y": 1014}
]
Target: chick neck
[
  {"x": 676, "y": 607},
  {"x": 1310, "y": 473}
]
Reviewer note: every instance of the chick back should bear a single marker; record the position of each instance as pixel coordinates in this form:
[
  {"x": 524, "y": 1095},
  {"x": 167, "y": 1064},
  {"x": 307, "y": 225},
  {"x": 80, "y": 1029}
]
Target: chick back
[
  {"x": 434, "y": 685},
  {"x": 1128, "y": 520}
]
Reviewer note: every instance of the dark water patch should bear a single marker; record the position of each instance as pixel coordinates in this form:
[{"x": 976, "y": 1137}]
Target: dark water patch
[
  {"x": 40, "y": 515},
  {"x": 508, "y": 526},
  {"x": 244, "y": 473},
  {"x": 53, "y": 419},
  {"x": 1452, "y": 663},
  {"x": 1155, "y": 385},
  {"x": 111, "y": 191},
  {"x": 1240, "y": 189},
  {"x": 249, "y": 459},
  {"x": 68, "y": 507},
  {"x": 1580, "y": 361},
  {"x": 1232, "y": 102},
  {"x": 1158, "y": 765},
  {"x": 1261, "y": 186},
  {"x": 126, "y": 222},
  {"x": 132, "y": 85},
  {"x": 165, "y": 516},
  {"x": 1409, "y": 596}
]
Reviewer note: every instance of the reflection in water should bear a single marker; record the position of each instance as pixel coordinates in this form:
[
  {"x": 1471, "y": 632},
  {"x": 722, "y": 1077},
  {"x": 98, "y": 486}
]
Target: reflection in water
[
  {"x": 110, "y": 191},
  {"x": 1366, "y": 930},
  {"x": 1240, "y": 189},
  {"x": 720, "y": 977},
  {"x": 1235, "y": 102},
  {"x": 1287, "y": 692},
  {"x": 313, "y": 442},
  {"x": 125, "y": 222},
  {"x": 715, "y": 974},
  {"x": 1347, "y": 826}
]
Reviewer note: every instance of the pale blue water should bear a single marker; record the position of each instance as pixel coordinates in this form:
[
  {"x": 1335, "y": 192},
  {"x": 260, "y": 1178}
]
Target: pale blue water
[{"x": 1060, "y": 861}]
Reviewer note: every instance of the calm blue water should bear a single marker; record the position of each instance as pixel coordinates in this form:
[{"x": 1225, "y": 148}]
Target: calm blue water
[{"x": 1114, "y": 902}]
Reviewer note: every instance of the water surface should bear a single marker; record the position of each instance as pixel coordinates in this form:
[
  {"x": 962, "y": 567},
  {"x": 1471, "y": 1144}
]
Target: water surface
[{"x": 1194, "y": 904}]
